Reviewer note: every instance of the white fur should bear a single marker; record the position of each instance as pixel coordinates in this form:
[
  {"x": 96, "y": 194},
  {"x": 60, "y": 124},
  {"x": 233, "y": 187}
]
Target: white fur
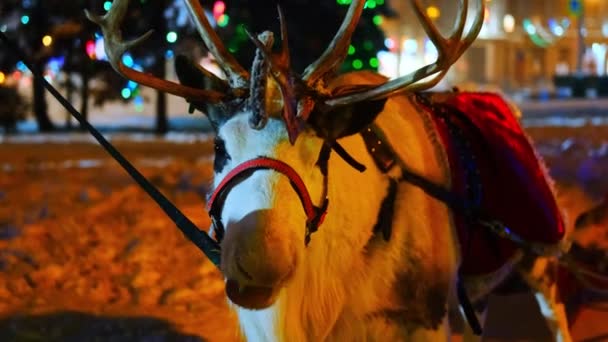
[{"x": 347, "y": 279}]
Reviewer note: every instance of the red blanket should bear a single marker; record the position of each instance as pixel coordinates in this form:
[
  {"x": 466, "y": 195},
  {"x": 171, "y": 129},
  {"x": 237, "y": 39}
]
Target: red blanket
[{"x": 510, "y": 184}]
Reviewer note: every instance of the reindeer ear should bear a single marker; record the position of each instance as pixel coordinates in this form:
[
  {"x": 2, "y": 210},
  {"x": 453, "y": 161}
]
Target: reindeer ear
[
  {"x": 193, "y": 75},
  {"x": 346, "y": 120}
]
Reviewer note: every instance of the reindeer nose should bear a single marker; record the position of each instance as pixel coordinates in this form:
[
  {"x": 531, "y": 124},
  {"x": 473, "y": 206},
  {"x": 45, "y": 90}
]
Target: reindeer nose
[{"x": 258, "y": 250}]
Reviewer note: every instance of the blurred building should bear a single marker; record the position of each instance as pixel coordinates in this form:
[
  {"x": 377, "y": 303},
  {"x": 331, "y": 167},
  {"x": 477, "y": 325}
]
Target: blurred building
[{"x": 523, "y": 43}]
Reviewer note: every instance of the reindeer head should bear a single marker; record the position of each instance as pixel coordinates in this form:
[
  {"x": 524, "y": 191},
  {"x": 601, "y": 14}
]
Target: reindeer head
[{"x": 275, "y": 130}]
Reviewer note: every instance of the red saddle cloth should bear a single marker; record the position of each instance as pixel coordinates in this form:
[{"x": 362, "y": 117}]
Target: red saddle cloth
[{"x": 511, "y": 184}]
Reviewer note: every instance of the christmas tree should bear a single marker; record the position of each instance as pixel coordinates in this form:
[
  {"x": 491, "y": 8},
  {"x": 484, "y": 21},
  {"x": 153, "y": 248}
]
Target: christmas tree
[{"x": 311, "y": 25}]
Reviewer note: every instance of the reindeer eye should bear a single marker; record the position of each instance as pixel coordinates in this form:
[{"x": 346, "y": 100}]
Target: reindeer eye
[{"x": 221, "y": 156}]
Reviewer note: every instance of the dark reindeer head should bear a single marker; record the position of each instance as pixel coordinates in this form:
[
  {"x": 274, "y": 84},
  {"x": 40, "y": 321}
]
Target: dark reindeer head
[{"x": 275, "y": 130}]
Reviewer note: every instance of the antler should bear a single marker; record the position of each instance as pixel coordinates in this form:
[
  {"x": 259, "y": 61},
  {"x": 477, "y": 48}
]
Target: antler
[
  {"x": 336, "y": 51},
  {"x": 115, "y": 48},
  {"x": 449, "y": 50},
  {"x": 237, "y": 76}
]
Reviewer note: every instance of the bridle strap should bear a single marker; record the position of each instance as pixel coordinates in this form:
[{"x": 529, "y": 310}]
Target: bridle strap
[{"x": 314, "y": 215}]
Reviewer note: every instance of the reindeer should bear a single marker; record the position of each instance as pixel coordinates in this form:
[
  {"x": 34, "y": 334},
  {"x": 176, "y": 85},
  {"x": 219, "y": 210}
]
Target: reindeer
[{"x": 290, "y": 149}]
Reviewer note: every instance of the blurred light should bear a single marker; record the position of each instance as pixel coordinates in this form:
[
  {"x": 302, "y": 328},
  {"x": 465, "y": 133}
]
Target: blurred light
[
  {"x": 357, "y": 64},
  {"x": 125, "y": 93},
  {"x": 343, "y": 2},
  {"x": 371, "y": 4},
  {"x": 90, "y": 48},
  {"x": 139, "y": 103},
  {"x": 25, "y": 19},
  {"x": 351, "y": 50},
  {"x": 127, "y": 60},
  {"x": 433, "y": 12},
  {"x": 410, "y": 46},
  {"x": 529, "y": 27},
  {"x": 373, "y": 62},
  {"x": 219, "y": 7},
  {"x": 17, "y": 75},
  {"x": 48, "y": 78},
  {"x": 169, "y": 54},
  {"x": 3, "y": 28},
  {"x": 378, "y": 19},
  {"x": 172, "y": 36},
  {"x": 430, "y": 51},
  {"x": 100, "y": 52},
  {"x": 605, "y": 29},
  {"x": 388, "y": 64},
  {"x": 107, "y": 5},
  {"x": 2, "y": 77},
  {"x": 223, "y": 20},
  {"x": 56, "y": 63},
  {"x": 131, "y": 85},
  {"x": 555, "y": 28},
  {"x": 47, "y": 40},
  {"x": 390, "y": 43},
  {"x": 139, "y": 100},
  {"x": 508, "y": 23},
  {"x": 575, "y": 7},
  {"x": 21, "y": 66}
]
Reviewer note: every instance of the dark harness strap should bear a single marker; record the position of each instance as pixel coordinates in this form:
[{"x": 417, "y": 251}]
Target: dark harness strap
[{"x": 384, "y": 158}]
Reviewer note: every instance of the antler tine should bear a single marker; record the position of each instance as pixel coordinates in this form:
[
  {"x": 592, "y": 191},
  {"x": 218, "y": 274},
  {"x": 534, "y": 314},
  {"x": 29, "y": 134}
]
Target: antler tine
[
  {"x": 238, "y": 77},
  {"x": 284, "y": 54},
  {"x": 449, "y": 50},
  {"x": 337, "y": 49},
  {"x": 475, "y": 29},
  {"x": 463, "y": 10},
  {"x": 115, "y": 48}
]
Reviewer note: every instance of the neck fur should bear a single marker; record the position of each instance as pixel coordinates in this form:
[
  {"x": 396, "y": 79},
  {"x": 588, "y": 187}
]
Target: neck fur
[{"x": 345, "y": 276}]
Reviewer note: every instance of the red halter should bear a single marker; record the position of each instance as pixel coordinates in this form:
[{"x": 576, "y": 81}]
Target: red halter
[{"x": 314, "y": 215}]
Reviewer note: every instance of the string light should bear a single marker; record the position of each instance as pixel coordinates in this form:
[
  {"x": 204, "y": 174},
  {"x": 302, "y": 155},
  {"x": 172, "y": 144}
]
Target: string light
[
  {"x": 433, "y": 12},
  {"x": 223, "y": 20},
  {"x": 47, "y": 40},
  {"x": 125, "y": 93},
  {"x": 219, "y": 7},
  {"x": 373, "y": 62},
  {"x": 390, "y": 43},
  {"x": 127, "y": 60},
  {"x": 90, "y": 48},
  {"x": 378, "y": 20},
  {"x": 172, "y": 36},
  {"x": 508, "y": 23}
]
